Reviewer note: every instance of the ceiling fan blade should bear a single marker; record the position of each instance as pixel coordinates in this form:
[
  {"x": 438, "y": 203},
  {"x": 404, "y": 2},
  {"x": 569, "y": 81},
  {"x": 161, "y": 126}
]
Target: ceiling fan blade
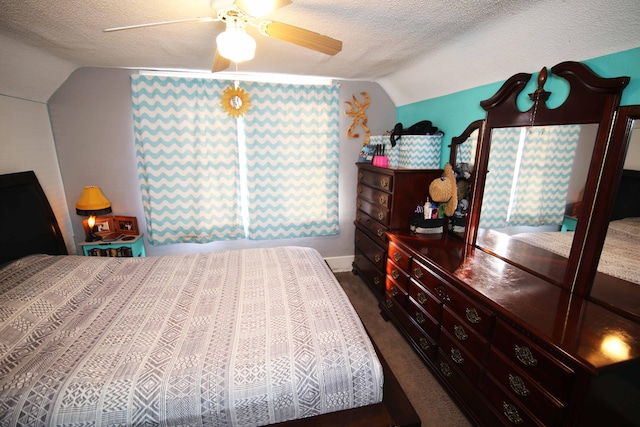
[
  {"x": 258, "y": 8},
  {"x": 220, "y": 63},
  {"x": 302, "y": 37},
  {"x": 153, "y": 24}
]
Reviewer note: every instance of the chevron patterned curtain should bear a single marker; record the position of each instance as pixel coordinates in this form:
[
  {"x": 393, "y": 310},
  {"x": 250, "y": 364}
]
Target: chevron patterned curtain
[
  {"x": 187, "y": 152},
  {"x": 206, "y": 176},
  {"x": 292, "y": 147},
  {"x": 528, "y": 182}
]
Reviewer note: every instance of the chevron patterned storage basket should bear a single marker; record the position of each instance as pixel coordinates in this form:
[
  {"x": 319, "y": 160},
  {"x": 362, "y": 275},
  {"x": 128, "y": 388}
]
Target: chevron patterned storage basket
[{"x": 420, "y": 151}]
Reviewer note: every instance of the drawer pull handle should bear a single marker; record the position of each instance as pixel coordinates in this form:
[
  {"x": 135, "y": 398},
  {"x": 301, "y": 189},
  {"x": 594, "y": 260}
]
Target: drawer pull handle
[
  {"x": 445, "y": 369},
  {"x": 394, "y": 291},
  {"x": 395, "y": 274},
  {"x": 381, "y": 215},
  {"x": 460, "y": 333},
  {"x": 525, "y": 356},
  {"x": 360, "y": 176},
  {"x": 397, "y": 256},
  {"x": 359, "y": 189},
  {"x": 384, "y": 183},
  {"x": 383, "y": 200},
  {"x": 359, "y": 217},
  {"x": 377, "y": 257},
  {"x": 421, "y": 298},
  {"x": 418, "y": 273},
  {"x": 389, "y": 303},
  {"x": 357, "y": 239},
  {"x": 472, "y": 315},
  {"x": 380, "y": 232},
  {"x": 511, "y": 412},
  {"x": 456, "y": 356},
  {"x": 442, "y": 293},
  {"x": 359, "y": 203},
  {"x": 424, "y": 344},
  {"x": 419, "y": 317},
  {"x": 376, "y": 280},
  {"x": 518, "y": 386}
]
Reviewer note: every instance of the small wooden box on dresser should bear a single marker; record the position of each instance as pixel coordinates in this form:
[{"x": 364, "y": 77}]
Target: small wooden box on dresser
[
  {"x": 385, "y": 201},
  {"x": 509, "y": 347}
]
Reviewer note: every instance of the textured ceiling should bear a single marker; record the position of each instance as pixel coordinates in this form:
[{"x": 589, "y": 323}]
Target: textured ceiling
[{"x": 380, "y": 37}]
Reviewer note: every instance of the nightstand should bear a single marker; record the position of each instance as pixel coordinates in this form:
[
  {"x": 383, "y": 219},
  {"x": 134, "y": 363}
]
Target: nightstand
[
  {"x": 124, "y": 247},
  {"x": 569, "y": 223}
]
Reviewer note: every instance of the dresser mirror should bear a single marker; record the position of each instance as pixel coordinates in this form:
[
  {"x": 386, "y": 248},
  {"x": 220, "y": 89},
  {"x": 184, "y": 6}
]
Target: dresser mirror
[
  {"x": 616, "y": 285},
  {"x": 462, "y": 157},
  {"x": 542, "y": 166}
]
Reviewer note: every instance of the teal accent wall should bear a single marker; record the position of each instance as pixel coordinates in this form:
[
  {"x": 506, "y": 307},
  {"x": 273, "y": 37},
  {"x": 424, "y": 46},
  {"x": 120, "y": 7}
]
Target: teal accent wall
[{"x": 452, "y": 113}]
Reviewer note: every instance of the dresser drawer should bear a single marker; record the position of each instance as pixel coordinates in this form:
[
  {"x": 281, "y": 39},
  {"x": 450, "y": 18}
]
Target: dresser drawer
[
  {"x": 374, "y": 196},
  {"x": 512, "y": 411},
  {"x": 397, "y": 290},
  {"x": 399, "y": 256},
  {"x": 466, "y": 393},
  {"x": 374, "y": 277},
  {"x": 426, "y": 343},
  {"x": 379, "y": 231},
  {"x": 537, "y": 400},
  {"x": 465, "y": 336},
  {"x": 375, "y": 179},
  {"x": 473, "y": 314},
  {"x": 552, "y": 375},
  {"x": 379, "y": 213},
  {"x": 398, "y": 275},
  {"x": 457, "y": 354},
  {"x": 371, "y": 249},
  {"x": 425, "y": 299},
  {"x": 423, "y": 319}
]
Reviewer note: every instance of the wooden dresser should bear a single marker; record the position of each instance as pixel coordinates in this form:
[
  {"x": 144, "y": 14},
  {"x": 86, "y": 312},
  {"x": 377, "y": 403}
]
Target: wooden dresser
[
  {"x": 385, "y": 201},
  {"x": 509, "y": 347}
]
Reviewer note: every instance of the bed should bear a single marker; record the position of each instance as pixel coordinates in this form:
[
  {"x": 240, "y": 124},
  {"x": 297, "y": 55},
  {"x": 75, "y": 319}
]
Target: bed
[
  {"x": 621, "y": 251},
  {"x": 242, "y": 338}
]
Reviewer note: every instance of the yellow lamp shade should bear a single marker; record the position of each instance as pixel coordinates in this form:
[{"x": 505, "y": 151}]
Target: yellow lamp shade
[{"x": 92, "y": 202}]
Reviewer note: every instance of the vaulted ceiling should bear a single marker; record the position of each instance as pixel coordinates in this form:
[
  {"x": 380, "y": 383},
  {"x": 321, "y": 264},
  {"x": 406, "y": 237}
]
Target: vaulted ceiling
[{"x": 415, "y": 48}]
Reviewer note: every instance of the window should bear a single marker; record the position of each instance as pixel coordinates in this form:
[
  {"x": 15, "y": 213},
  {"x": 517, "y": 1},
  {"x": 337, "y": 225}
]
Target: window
[{"x": 206, "y": 176}]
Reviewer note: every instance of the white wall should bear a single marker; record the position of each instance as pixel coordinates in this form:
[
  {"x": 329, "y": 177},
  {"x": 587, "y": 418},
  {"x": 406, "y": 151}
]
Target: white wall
[
  {"x": 26, "y": 143},
  {"x": 92, "y": 125}
]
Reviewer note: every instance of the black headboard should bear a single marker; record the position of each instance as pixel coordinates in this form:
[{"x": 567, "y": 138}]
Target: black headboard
[
  {"x": 27, "y": 223},
  {"x": 627, "y": 202}
]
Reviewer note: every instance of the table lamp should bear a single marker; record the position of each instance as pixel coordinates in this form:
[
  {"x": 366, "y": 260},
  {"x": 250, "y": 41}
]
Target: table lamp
[{"x": 91, "y": 203}]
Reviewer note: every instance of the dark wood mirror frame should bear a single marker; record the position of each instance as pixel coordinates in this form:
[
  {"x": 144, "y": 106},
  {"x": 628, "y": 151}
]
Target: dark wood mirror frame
[
  {"x": 591, "y": 99},
  {"x": 456, "y": 141}
]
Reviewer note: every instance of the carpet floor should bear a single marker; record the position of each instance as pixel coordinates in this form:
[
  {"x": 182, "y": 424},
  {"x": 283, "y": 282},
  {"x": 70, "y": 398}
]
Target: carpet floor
[{"x": 431, "y": 402}]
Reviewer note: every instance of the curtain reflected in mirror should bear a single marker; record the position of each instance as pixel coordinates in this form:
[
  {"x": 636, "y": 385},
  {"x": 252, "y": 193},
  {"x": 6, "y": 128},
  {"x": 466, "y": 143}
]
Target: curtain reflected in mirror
[{"x": 534, "y": 186}]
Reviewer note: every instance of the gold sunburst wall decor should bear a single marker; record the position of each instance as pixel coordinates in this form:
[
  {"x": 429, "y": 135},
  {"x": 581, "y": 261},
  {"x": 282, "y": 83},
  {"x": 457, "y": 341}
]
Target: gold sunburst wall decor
[
  {"x": 359, "y": 117},
  {"x": 235, "y": 101}
]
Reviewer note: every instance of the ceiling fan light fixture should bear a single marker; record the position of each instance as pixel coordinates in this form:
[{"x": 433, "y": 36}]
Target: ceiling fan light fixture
[{"x": 235, "y": 44}]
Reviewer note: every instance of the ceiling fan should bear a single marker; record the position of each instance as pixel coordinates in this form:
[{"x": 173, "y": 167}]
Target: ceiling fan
[{"x": 234, "y": 44}]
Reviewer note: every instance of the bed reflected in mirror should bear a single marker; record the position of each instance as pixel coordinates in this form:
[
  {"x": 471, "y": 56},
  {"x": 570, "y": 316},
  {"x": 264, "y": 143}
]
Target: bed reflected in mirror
[{"x": 617, "y": 282}]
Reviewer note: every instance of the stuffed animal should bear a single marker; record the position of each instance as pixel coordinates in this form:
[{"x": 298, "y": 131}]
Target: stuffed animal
[{"x": 444, "y": 190}]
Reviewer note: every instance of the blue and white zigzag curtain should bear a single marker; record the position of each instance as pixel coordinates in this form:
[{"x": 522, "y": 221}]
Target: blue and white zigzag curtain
[
  {"x": 528, "y": 180},
  {"x": 202, "y": 180},
  {"x": 293, "y": 142}
]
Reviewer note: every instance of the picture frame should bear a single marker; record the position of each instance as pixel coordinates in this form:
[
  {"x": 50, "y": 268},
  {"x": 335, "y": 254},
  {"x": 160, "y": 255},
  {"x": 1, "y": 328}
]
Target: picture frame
[
  {"x": 126, "y": 225},
  {"x": 366, "y": 153},
  {"x": 104, "y": 224}
]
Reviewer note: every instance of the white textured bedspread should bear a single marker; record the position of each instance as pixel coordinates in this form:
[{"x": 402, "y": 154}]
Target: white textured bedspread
[
  {"x": 237, "y": 338},
  {"x": 620, "y": 255}
]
